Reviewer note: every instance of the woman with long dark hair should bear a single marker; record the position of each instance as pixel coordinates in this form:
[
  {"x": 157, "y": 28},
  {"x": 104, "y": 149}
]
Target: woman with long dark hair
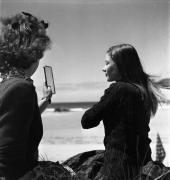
[{"x": 125, "y": 109}]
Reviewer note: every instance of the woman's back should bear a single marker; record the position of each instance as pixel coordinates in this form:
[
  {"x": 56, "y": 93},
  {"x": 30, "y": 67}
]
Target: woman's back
[
  {"x": 125, "y": 119},
  {"x": 131, "y": 128},
  {"x": 18, "y": 114}
]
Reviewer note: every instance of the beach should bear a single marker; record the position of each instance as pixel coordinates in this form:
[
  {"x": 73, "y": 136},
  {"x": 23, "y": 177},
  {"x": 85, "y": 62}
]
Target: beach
[{"x": 63, "y": 136}]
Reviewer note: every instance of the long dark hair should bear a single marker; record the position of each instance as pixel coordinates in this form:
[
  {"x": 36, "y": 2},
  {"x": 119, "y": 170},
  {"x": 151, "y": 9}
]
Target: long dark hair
[{"x": 130, "y": 68}]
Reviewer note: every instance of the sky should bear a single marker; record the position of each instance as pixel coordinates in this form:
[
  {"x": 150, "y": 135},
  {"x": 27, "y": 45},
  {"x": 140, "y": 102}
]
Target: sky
[{"x": 81, "y": 32}]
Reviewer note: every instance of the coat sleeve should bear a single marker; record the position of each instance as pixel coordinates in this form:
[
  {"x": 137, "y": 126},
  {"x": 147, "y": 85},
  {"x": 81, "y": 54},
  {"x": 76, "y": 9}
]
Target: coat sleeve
[{"x": 94, "y": 115}]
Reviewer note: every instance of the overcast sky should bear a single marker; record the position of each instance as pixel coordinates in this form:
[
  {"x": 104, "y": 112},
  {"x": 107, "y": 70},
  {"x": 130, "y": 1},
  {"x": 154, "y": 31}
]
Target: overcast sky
[{"x": 82, "y": 31}]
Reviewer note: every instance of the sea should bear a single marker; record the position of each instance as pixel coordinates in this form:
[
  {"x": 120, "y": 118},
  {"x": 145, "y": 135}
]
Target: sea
[{"x": 64, "y": 137}]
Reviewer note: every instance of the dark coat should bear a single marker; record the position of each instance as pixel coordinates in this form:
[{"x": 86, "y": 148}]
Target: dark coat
[
  {"x": 20, "y": 127},
  {"x": 126, "y": 123}
]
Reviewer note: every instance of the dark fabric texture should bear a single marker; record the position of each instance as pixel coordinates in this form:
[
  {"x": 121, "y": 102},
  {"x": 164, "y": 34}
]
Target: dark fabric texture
[
  {"x": 48, "y": 170},
  {"x": 126, "y": 124},
  {"x": 20, "y": 127},
  {"x": 87, "y": 165}
]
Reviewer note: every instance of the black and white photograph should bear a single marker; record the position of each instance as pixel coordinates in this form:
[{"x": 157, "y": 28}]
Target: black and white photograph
[{"x": 85, "y": 89}]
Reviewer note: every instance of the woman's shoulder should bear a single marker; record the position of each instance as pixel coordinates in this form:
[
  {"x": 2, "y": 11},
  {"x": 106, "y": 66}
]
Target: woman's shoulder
[
  {"x": 122, "y": 87},
  {"x": 18, "y": 84}
]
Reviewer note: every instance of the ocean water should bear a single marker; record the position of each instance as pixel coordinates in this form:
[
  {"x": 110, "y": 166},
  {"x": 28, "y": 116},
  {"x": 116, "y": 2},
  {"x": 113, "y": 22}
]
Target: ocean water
[{"x": 64, "y": 137}]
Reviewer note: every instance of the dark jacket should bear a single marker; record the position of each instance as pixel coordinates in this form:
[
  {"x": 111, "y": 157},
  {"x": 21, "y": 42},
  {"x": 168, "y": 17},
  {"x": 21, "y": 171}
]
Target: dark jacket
[
  {"x": 125, "y": 119},
  {"x": 20, "y": 127}
]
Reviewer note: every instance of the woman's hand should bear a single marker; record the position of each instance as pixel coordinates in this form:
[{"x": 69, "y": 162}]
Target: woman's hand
[
  {"x": 46, "y": 100},
  {"x": 47, "y": 92}
]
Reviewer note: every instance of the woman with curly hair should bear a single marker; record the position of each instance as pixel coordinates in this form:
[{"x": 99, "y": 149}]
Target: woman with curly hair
[{"x": 23, "y": 41}]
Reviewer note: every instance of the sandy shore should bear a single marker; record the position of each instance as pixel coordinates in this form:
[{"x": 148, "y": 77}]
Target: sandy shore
[{"x": 61, "y": 152}]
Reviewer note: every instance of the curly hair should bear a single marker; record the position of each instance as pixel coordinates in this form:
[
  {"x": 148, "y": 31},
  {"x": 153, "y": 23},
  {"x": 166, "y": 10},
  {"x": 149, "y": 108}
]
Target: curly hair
[{"x": 23, "y": 41}]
